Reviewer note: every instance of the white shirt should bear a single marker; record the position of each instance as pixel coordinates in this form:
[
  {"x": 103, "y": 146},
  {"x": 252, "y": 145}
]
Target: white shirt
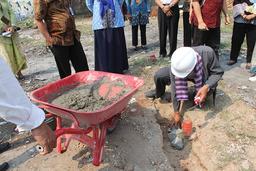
[
  {"x": 166, "y": 2},
  {"x": 15, "y": 106}
]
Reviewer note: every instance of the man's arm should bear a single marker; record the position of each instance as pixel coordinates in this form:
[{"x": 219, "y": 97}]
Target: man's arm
[
  {"x": 175, "y": 102},
  {"x": 40, "y": 10},
  {"x": 214, "y": 69},
  {"x": 198, "y": 13},
  {"x": 15, "y": 107},
  {"x": 225, "y": 12}
]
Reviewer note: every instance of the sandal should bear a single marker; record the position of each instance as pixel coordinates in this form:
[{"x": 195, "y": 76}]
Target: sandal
[
  {"x": 248, "y": 66},
  {"x": 231, "y": 62}
]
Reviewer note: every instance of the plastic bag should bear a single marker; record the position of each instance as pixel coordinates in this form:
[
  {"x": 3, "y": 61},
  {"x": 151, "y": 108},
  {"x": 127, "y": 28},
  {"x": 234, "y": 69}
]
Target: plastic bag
[{"x": 176, "y": 138}]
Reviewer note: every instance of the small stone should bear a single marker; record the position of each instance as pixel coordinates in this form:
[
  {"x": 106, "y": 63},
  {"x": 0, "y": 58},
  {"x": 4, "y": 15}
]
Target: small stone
[
  {"x": 148, "y": 67},
  {"x": 133, "y": 110},
  {"x": 129, "y": 167},
  {"x": 245, "y": 165}
]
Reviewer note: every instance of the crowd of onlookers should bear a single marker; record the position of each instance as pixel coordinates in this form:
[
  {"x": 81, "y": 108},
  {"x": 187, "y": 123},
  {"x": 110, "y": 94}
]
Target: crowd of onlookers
[
  {"x": 201, "y": 21},
  {"x": 197, "y": 61}
]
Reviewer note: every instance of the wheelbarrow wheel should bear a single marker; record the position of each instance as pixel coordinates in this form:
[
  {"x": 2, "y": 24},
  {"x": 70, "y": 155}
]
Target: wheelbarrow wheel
[{"x": 114, "y": 123}]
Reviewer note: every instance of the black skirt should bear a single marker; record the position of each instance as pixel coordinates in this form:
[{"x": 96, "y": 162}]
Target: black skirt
[{"x": 110, "y": 50}]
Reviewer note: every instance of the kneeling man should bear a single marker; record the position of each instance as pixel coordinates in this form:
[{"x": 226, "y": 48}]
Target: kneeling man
[{"x": 197, "y": 64}]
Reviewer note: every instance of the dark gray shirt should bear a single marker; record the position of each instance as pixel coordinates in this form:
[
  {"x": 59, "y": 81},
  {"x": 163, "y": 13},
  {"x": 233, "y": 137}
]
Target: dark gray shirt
[{"x": 212, "y": 71}]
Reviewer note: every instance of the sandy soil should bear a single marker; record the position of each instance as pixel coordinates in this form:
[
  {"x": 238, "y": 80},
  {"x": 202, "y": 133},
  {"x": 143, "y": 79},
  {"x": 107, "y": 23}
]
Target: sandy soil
[{"x": 224, "y": 135}]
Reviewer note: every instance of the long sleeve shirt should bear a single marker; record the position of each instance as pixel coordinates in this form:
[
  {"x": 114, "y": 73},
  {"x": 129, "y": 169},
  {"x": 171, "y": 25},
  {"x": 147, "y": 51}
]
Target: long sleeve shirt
[
  {"x": 135, "y": 9},
  {"x": 15, "y": 106},
  {"x": 94, "y": 7},
  {"x": 211, "y": 69}
]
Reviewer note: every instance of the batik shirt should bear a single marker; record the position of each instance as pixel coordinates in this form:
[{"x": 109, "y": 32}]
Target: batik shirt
[{"x": 59, "y": 20}]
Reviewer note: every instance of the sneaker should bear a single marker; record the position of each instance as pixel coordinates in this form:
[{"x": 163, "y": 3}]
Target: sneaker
[
  {"x": 4, "y": 166},
  {"x": 4, "y": 147},
  {"x": 151, "y": 94},
  {"x": 252, "y": 78}
]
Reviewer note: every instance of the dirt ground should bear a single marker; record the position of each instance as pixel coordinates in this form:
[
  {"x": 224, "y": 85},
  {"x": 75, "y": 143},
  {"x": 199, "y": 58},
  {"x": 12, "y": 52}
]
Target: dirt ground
[{"x": 224, "y": 134}]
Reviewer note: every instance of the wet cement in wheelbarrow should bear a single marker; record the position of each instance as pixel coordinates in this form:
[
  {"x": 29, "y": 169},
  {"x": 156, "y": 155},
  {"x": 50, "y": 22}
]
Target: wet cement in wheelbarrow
[{"x": 88, "y": 98}]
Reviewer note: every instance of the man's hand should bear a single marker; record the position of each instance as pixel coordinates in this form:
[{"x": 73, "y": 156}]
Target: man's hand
[
  {"x": 249, "y": 17},
  {"x": 169, "y": 13},
  {"x": 45, "y": 137},
  {"x": 49, "y": 41},
  {"x": 176, "y": 122},
  {"x": 166, "y": 9},
  {"x": 227, "y": 20},
  {"x": 202, "y": 26},
  {"x": 202, "y": 93}
]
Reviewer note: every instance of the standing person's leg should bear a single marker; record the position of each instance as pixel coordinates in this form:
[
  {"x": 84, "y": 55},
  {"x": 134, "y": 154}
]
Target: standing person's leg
[
  {"x": 237, "y": 40},
  {"x": 198, "y": 36},
  {"x": 61, "y": 56},
  {"x": 187, "y": 29},
  {"x": 135, "y": 36},
  {"x": 212, "y": 39},
  {"x": 78, "y": 57},
  {"x": 101, "y": 50},
  {"x": 250, "y": 39},
  {"x": 173, "y": 25},
  {"x": 162, "y": 32},
  {"x": 143, "y": 35},
  {"x": 161, "y": 79}
]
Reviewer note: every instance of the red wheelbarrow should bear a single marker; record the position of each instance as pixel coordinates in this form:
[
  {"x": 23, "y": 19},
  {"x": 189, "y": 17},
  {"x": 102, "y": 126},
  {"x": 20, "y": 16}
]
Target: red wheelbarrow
[{"x": 87, "y": 127}]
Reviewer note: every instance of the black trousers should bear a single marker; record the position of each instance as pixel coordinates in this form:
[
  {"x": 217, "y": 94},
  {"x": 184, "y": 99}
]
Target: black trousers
[
  {"x": 187, "y": 30},
  {"x": 162, "y": 79},
  {"x": 209, "y": 37},
  {"x": 142, "y": 34},
  {"x": 168, "y": 25},
  {"x": 240, "y": 30},
  {"x": 64, "y": 54}
]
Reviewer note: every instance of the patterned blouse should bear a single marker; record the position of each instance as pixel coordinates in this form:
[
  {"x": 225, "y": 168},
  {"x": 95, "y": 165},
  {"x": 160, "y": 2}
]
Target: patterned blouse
[
  {"x": 139, "y": 10},
  {"x": 59, "y": 20}
]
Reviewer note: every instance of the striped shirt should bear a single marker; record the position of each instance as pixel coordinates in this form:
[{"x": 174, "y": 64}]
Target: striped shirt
[{"x": 182, "y": 85}]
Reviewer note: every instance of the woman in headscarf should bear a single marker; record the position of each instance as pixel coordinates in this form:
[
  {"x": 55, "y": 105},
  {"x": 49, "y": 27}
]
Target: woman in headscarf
[
  {"x": 139, "y": 11},
  {"x": 9, "y": 45},
  {"x": 109, "y": 39},
  {"x": 244, "y": 25}
]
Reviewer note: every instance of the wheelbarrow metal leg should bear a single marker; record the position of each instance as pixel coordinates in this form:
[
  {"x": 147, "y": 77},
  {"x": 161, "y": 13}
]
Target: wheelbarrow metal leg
[
  {"x": 58, "y": 126},
  {"x": 100, "y": 138}
]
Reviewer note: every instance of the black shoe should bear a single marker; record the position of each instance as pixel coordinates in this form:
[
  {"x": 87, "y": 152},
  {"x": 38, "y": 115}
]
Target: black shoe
[
  {"x": 231, "y": 62},
  {"x": 151, "y": 94},
  {"x": 167, "y": 97},
  {"x": 144, "y": 47},
  {"x": 4, "y": 166},
  {"x": 169, "y": 55},
  {"x": 162, "y": 55},
  {"x": 4, "y": 147},
  {"x": 136, "y": 48}
]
